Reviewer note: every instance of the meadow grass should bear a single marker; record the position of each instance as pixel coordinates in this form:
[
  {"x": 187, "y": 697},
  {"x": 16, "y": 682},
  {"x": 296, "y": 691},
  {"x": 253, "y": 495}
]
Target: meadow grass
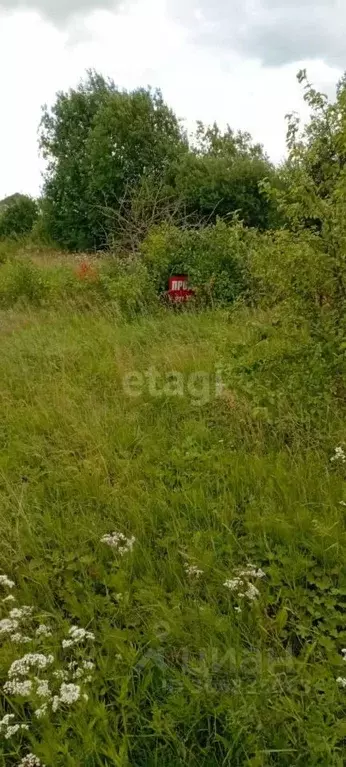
[{"x": 187, "y": 671}]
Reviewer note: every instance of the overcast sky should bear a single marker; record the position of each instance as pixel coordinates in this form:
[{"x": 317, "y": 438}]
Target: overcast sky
[{"x": 233, "y": 61}]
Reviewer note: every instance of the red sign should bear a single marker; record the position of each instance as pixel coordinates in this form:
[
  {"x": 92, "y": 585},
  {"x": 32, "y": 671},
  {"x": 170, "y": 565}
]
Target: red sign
[{"x": 178, "y": 291}]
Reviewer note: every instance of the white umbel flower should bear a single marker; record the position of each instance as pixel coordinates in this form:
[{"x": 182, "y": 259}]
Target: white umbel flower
[
  {"x": 18, "y": 688},
  {"x": 5, "y": 722},
  {"x": 12, "y": 730},
  {"x": 342, "y": 681},
  {"x": 77, "y": 635},
  {"x": 8, "y": 626},
  {"x": 43, "y": 631},
  {"x": 30, "y": 761},
  {"x": 69, "y": 694},
  {"x": 241, "y": 583},
  {"x": 42, "y": 711},
  {"x": 60, "y": 674},
  {"x": 20, "y": 639},
  {"x": 6, "y": 582},
  {"x": 339, "y": 455},
  {"x": 20, "y": 613},
  {"x": 11, "y": 598},
  {"x": 43, "y": 690},
  {"x": 251, "y": 592},
  {"x": 193, "y": 571},
  {"x": 119, "y": 541},
  {"x": 22, "y": 666},
  {"x": 233, "y": 584}
]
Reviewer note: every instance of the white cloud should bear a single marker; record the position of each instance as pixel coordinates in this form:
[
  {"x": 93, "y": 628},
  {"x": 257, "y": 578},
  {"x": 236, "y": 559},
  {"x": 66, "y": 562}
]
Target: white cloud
[
  {"x": 57, "y": 10},
  {"x": 139, "y": 45},
  {"x": 274, "y": 31}
]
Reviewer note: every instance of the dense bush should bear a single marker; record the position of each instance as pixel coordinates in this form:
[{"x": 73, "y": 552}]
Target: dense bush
[
  {"x": 214, "y": 257},
  {"x": 212, "y": 187},
  {"x": 18, "y": 217}
]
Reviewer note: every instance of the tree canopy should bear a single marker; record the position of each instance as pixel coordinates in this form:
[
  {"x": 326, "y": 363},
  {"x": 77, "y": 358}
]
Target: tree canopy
[{"x": 102, "y": 143}]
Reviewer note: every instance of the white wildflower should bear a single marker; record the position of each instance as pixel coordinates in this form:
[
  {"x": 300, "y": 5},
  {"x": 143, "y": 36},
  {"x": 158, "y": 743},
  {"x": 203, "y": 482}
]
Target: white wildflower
[
  {"x": 55, "y": 703},
  {"x": 241, "y": 582},
  {"x": 30, "y": 761},
  {"x": 41, "y": 712},
  {"x": 79, "y": 673},
  {"x": 119, "y": 542},
  {"x": 11, "y": 598},
  {"x": 19, "y": 613},
  {"x": 252, "y": 592},
  {"x": 43, "y": 631},
  {"x": 342, "y": 681},
  {"x": 62, "y": 675},
  {"x": 22, "y": 666},
  {"x": 43, "y": 690},
  {"x": 339, "y": 455},
  {"x": 342, "y": 503},
  {"x": 77, "y": 635},
  {"x": 20, "y": 639},
  {"x": 69, "y": 693},
  {"x": 193, "y": 571},
  {"x": 88, "y": 665},
  {"x": 237, "y": 609},
  {"x": 251, "y": 572},
  {"x": 20, "y": 688},
  {"x": 6, "y": 721},
  {"x": 66, "y": 643},
  {"x": 12, "y": 730},
  {"x": 5, "y": 581},
  {"x": 233, "y": 584},
  {"x": 7, "y": 626}
]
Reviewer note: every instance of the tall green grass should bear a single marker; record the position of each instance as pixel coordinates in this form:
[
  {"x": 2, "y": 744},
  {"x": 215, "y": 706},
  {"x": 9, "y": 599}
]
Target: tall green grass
[{"x": 237, "y": 476}]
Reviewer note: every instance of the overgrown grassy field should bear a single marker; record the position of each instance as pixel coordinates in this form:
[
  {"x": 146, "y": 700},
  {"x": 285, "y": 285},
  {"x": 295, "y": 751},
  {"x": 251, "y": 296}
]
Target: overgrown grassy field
[{"x": 236, "y": 481}]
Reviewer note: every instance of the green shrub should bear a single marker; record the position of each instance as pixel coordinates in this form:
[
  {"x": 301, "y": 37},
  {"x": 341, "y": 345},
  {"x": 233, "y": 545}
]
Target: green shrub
[
  {"x": 214, "y": 257},
  {"x": 18, "y": 217},
  {"x": 284, "y": 266}
]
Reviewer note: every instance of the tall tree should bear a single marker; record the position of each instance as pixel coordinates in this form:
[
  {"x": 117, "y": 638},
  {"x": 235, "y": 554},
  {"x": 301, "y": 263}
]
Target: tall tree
[{"x": 97, "y": 141}]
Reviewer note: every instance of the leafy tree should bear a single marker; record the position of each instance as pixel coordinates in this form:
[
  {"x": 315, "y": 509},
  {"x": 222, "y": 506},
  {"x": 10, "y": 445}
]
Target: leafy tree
[
  {"x": 98, "y": 140},
  {"x": 313, "y": 200},
  {"x": 222, "y": 175},
  {"x": 18, "y": 216}
]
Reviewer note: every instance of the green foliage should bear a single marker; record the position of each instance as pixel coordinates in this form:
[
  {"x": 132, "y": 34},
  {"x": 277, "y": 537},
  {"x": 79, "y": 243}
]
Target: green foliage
[
  {"x": 129, "y": 288},
  {"x": 20, "y": 279},
  {"x": 99, "y": 141},
  {"x": 212, "y": 485},
  {"x": 290, "y": 267},
  {"x": 104, "y": 146},
  {"x": 214, "y": 257},
  {"x": 313, "y": 191},
  {"x": 18, "y": 217},
  {"x": 222, "y": 176}
]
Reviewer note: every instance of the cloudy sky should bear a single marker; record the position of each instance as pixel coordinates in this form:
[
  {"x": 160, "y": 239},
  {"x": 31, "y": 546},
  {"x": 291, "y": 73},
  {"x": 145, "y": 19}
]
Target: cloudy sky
[{"x": 233, "y": 61}]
